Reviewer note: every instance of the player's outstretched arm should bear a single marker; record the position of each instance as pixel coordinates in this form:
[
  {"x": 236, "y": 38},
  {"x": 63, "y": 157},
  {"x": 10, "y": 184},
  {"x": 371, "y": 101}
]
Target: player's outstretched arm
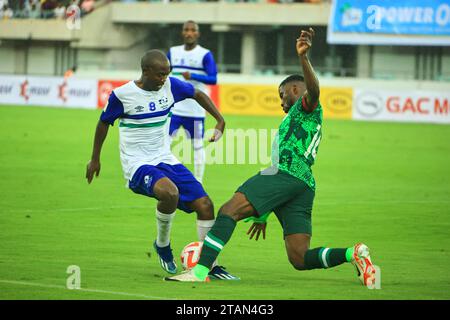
[
  {"x": 304, "y": 43},
  {"x": 209, "y": 106},
  {"x": 93, "y": 166}
]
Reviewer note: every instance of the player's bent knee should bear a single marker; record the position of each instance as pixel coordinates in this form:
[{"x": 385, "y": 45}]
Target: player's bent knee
[
  {"x": 169, "y": 195},
  {"x": 297, "y": 245},
  {"x": 205, "y": 209},
  {"x": 299, "y": 267},
  {"x": 207, "y": 203},
  {"x": 165, "y": 190},
  {"x": 237, "y": 208},
  {"x": 226, "y": 210},
  {"x": 297, "y": 259},
  {"x": 298, "y": 264}
]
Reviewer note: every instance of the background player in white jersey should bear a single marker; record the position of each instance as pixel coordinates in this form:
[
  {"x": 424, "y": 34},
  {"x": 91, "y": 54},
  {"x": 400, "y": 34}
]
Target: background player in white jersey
[
  {"x": 143, "y": 108},
  {"x": 194, "y": 64}
]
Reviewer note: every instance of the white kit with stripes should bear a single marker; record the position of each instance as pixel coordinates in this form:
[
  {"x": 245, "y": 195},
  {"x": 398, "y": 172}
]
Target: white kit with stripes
[
  {"x": 192, "y": 61},
  {"x": 143, "y": 125}
]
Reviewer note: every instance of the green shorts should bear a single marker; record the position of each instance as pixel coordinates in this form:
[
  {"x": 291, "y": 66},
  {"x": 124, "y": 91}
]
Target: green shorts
[{"x": 290, "y": 198}]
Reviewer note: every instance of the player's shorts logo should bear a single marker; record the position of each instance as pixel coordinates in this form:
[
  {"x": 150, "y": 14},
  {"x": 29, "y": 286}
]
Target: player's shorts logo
[
  {"x": 148, "y": 180},
  {"x": 369, "y": 104}
]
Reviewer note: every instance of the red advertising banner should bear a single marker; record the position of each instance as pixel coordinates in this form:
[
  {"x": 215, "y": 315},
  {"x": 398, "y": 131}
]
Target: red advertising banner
[
  {"x": 105, "y": 87},
  {"x": 214, "y": 95}
]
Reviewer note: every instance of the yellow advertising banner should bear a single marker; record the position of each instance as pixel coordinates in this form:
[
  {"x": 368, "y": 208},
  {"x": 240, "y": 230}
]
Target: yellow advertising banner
[
  {"x": 336, "y": 102},
  {"x": 243, "y": 99}
]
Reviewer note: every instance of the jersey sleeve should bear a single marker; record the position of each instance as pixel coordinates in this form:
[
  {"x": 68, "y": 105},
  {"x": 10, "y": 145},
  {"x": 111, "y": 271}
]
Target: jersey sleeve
[
  {"x": 113, "y": 110},
  {"x": 181, "y": 90},
  {"x": 209, "y": 64},
  {"x": 210, "y": 68},
  {"x": 169, "y": 57},
  {"x": 304, "y": 105}
]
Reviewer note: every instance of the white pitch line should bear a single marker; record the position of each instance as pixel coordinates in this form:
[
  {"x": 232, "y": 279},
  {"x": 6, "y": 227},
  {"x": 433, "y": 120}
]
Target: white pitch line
[
  {"x": 77, "y": 209},
  {"x": 324, "y": 203},
  {"x": 376, "y": 201},
  {"x": 42, "y": 285}
]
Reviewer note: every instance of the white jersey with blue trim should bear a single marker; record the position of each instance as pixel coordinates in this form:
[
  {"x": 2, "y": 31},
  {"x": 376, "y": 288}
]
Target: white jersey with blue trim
[
  {"x": 199, "y": 62},
  {"x": 143, "y": 125}
]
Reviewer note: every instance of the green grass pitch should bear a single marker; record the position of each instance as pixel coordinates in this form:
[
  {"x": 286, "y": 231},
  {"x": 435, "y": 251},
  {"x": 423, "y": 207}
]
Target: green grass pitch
[{"x": 385, "y": 184}]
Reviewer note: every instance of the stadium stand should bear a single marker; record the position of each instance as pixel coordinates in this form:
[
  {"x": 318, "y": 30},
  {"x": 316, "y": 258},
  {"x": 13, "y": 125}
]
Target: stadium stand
[{"x": 124, "y": 29}]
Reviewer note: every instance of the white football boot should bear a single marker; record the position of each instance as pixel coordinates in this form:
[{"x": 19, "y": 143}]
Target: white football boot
[{"x": 363, "y": 264}]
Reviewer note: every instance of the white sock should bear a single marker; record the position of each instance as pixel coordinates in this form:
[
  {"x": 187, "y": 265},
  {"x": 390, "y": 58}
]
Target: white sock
[
  {"x": 199, "y": 159},
  {"x": 203, "y": 227},
  {"x": 163, "y": 226}
]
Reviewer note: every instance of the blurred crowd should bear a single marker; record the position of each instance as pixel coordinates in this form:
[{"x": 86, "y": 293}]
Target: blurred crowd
[
  {"x": 44, "y": 9},
  {"x": 256, "y": 1},
  {"x": 59, "y": 9}
]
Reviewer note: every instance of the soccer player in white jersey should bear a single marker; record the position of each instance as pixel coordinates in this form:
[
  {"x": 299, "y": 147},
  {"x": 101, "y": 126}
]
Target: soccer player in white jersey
[
  {"x": 194, "y": 64},
  {"x": 142, "y": 108}
]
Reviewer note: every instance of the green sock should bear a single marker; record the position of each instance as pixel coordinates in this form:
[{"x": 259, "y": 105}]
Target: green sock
[
  {"x": 201, "y": 272},
  {"x": 349, "y": 254},
  {"x": 322, "y": 258},
  {"x": 214, "y": 242}
]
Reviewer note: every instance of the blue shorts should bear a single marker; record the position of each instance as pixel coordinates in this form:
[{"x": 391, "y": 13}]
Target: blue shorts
[
  {"x": 194, "y": 126},
  {"x": 189, "y": 188}
]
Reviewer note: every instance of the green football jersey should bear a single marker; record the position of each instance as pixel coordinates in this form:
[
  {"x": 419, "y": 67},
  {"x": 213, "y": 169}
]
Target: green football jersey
[{"x": 296, "y": 144}]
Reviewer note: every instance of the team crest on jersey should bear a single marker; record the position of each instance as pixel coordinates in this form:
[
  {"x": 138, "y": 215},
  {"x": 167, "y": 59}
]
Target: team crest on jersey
[
  {"x": 163, "y": 103},
  {"x": 163, "y": 100}
]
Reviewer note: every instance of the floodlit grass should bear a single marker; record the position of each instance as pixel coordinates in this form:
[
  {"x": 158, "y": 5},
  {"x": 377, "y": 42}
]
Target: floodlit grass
[{"x": 387, "y": 184}]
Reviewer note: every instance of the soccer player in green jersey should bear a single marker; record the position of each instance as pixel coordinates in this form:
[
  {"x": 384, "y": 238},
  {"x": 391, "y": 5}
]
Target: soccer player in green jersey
[{"x": 287, "y": 188}]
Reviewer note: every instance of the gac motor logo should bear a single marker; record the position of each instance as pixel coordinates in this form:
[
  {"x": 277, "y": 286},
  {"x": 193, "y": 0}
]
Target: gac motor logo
[
  {"x": 421, "y": 105},
  {"x": 238, "y": 98},
  {"x": 369, "y": 104}
]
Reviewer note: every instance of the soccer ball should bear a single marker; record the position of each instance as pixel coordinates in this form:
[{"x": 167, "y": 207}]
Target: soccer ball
[{"x": 191, "y": 254}]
